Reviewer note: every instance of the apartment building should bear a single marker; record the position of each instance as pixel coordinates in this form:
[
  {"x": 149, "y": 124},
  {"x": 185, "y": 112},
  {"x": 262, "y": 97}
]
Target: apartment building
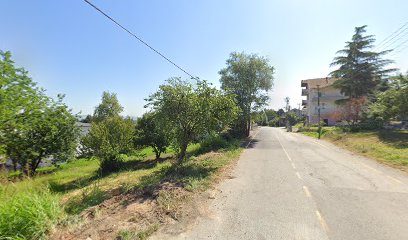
[{"x": 328, "y": 96}]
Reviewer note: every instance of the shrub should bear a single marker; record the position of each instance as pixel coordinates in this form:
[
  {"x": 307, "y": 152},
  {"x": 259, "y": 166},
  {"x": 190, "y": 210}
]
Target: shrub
[
  {"x": 108, "y": 139},
  {"x": 29, "y": 214},
  {"x": 213, "y": 142}
]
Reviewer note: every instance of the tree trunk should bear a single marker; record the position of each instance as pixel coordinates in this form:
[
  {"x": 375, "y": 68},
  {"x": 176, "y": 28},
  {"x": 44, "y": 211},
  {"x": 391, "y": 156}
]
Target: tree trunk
[
  {"x": 248, "y": 126},
  {"x": 156, "y": 152},
  {"x": 182, "y": 153},
  {"x": 14, "y": 165}
]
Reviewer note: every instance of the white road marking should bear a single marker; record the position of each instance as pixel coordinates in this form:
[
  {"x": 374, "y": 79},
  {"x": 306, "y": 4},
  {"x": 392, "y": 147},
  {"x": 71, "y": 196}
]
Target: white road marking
[
  {"x": 307, "y": 192},
  {"x": 395, "y": 180},
  {"x": 378, "y": 171},
  {"x": 365, "y": 165},
  {"x": 322, "y": 221},
  {"x": 252, "y": 138},
  {"x": 298, "y": 175},
  {"x": 287, "y": 155},
  {"x": 293, "y": 165}
]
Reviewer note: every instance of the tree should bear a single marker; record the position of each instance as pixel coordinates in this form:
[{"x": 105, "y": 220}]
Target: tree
[
  {"x": 53, "y": 133},
  {"x": 249, "y": 77},
  {"x": 32, "y": 126},
  {"x": 87, "y": 119},
  {"x": 271, "y": 114},
  {"x": 109, "y": 107},
  {"x": 188, "y": 111},
  {"x": 360, "y": 70},
  {"x": 109, "y": 138},
  {"x": 149, "y": 132},
  {"x": 351, "y": 111},
  {"x": 392, "y": 103}
]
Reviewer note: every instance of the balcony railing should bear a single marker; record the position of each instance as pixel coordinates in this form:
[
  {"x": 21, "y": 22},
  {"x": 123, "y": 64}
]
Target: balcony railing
[
  {"x": 304, "y": 102},
  {"x": 305, "y": 92}
]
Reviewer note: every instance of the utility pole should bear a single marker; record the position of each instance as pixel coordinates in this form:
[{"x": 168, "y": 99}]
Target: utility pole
[
  {"x": 300, "y": 112},
  {"x": 318, "y": 111}
]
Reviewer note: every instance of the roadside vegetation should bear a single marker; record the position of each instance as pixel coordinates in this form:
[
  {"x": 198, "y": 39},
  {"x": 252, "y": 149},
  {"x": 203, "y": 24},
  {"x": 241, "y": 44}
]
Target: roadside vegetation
[
  {"x": 386, "y": 146},
  {"x": 64, "y": 182}
]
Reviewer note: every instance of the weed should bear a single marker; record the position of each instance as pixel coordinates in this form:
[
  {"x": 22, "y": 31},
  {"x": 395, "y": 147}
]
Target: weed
[
  {"x": 29, "y": 214},
  {"x": 134, "y": 235},
  {"x": 89, "y": 197}
]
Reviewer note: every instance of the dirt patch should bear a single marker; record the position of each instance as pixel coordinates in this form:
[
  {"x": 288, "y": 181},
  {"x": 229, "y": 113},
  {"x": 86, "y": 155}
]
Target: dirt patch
[
  {"x": 135, "y": 212},
  {"x": 168, "y": 205}
]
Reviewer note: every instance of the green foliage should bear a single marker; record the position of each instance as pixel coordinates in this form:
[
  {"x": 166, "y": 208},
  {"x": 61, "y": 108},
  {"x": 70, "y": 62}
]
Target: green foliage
[
  {"x": 149, "y": 132},
  {"x": 109, "y": 107},
  {"x": 293, "y": 118},
  {"x": 249, "y": 77},
  {"x": 32, "y": 126},
  {"x": 274, "y": 122},
  {"x": 361, "y": 70},
  {"x": 87, "y": 119},
  {"x": 393, "y": 102},
  {"x": 213, "y": 142},
  {"x": 28, "y": 215},
  {"x": 142, "y": 235},
  {"x": 108, "y": 139},
  {"x": 189, "y": 111}
]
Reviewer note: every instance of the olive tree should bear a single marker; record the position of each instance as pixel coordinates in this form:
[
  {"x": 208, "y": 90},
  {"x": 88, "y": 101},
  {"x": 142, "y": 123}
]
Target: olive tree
[{"x": 188, "y": 111}]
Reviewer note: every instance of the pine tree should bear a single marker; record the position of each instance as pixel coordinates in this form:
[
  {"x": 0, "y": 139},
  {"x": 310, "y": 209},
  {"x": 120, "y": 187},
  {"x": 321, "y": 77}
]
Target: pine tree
[{"x": 361, "y": 69}]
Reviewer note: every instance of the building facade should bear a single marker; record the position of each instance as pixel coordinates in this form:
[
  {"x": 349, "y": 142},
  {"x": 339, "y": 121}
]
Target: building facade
[{"x": 328, "y": 97}]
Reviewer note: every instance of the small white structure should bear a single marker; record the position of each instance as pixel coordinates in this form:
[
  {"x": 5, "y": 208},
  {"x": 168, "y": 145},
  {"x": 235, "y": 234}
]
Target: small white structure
[{"x": 328, "y": 96}]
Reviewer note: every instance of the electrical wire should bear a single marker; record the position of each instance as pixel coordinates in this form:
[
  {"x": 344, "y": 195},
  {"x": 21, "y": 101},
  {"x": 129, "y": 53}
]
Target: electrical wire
[
  {"x": 391, "y": 36},
  {"x": 138, "y": 38}
]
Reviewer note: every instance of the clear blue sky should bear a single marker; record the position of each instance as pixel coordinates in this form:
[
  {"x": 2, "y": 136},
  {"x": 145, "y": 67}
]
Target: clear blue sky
[{"x": 70, "y": 48}]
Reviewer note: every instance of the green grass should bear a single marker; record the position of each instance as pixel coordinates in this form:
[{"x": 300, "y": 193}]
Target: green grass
[
  {"x": 28, "y": 214},
  {"x": 134, "y": 235},
  {"x": 30, "y": 207},
  {"x": 386, "y": 146}
]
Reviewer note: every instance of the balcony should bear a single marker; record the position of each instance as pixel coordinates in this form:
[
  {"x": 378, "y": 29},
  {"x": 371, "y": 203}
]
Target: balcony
[
  {"x": 305, "y": 92},
  {"x": 304, "y": 102}
]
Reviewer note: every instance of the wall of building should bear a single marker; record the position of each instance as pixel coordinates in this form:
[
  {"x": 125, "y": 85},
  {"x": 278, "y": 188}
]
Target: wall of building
[{"x": 328, "y": 107}]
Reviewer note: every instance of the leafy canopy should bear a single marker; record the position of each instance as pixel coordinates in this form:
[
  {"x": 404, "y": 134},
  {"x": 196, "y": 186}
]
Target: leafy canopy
[
  {"x": 109, "y": 138},
  {"x": 32, "y": 126},
  {"x": 188, "y": 111},
  {"x": 109, "y": 107},
  {"x": 149, "y": 132},
  {"x": 249, "y": 77},
  {"x": 392, "y": 103}
]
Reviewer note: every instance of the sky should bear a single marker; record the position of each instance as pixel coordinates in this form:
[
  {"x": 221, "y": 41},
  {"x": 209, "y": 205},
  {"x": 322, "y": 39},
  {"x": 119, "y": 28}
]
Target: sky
[{"x": 70, "y": 48}]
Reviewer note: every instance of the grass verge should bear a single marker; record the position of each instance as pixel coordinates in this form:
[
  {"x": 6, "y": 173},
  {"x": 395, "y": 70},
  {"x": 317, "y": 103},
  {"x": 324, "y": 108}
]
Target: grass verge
[
  {"x": 29, "y": 214},
  {"x": 386, "y": 146},
  {"x": 68, "y": 191}
]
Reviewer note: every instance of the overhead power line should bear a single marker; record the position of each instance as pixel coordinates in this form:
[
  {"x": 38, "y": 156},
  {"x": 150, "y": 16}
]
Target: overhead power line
[
  {"x": 391, "y": 36},
  {"x": 391, "y": 45},
  {"x": 138, "y": 38},
  {"x": 401, "y": 47}
]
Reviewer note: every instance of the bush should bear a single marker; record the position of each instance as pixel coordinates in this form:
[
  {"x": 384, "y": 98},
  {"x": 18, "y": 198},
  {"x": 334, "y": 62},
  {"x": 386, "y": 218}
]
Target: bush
[
  {"x": 28, "y": 215},
  {"x": 274, "y": 122},
  {"x": 108, "y": 139},
  {"x": 212, "y": 143}
]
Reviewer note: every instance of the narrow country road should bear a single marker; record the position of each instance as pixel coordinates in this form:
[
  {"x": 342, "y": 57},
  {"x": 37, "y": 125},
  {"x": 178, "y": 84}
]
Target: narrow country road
[{"x": 289, "y": 186}]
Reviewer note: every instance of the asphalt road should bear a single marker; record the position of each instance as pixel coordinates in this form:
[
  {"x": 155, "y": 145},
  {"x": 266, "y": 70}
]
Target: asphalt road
[{"x": 289, "y": 186}]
